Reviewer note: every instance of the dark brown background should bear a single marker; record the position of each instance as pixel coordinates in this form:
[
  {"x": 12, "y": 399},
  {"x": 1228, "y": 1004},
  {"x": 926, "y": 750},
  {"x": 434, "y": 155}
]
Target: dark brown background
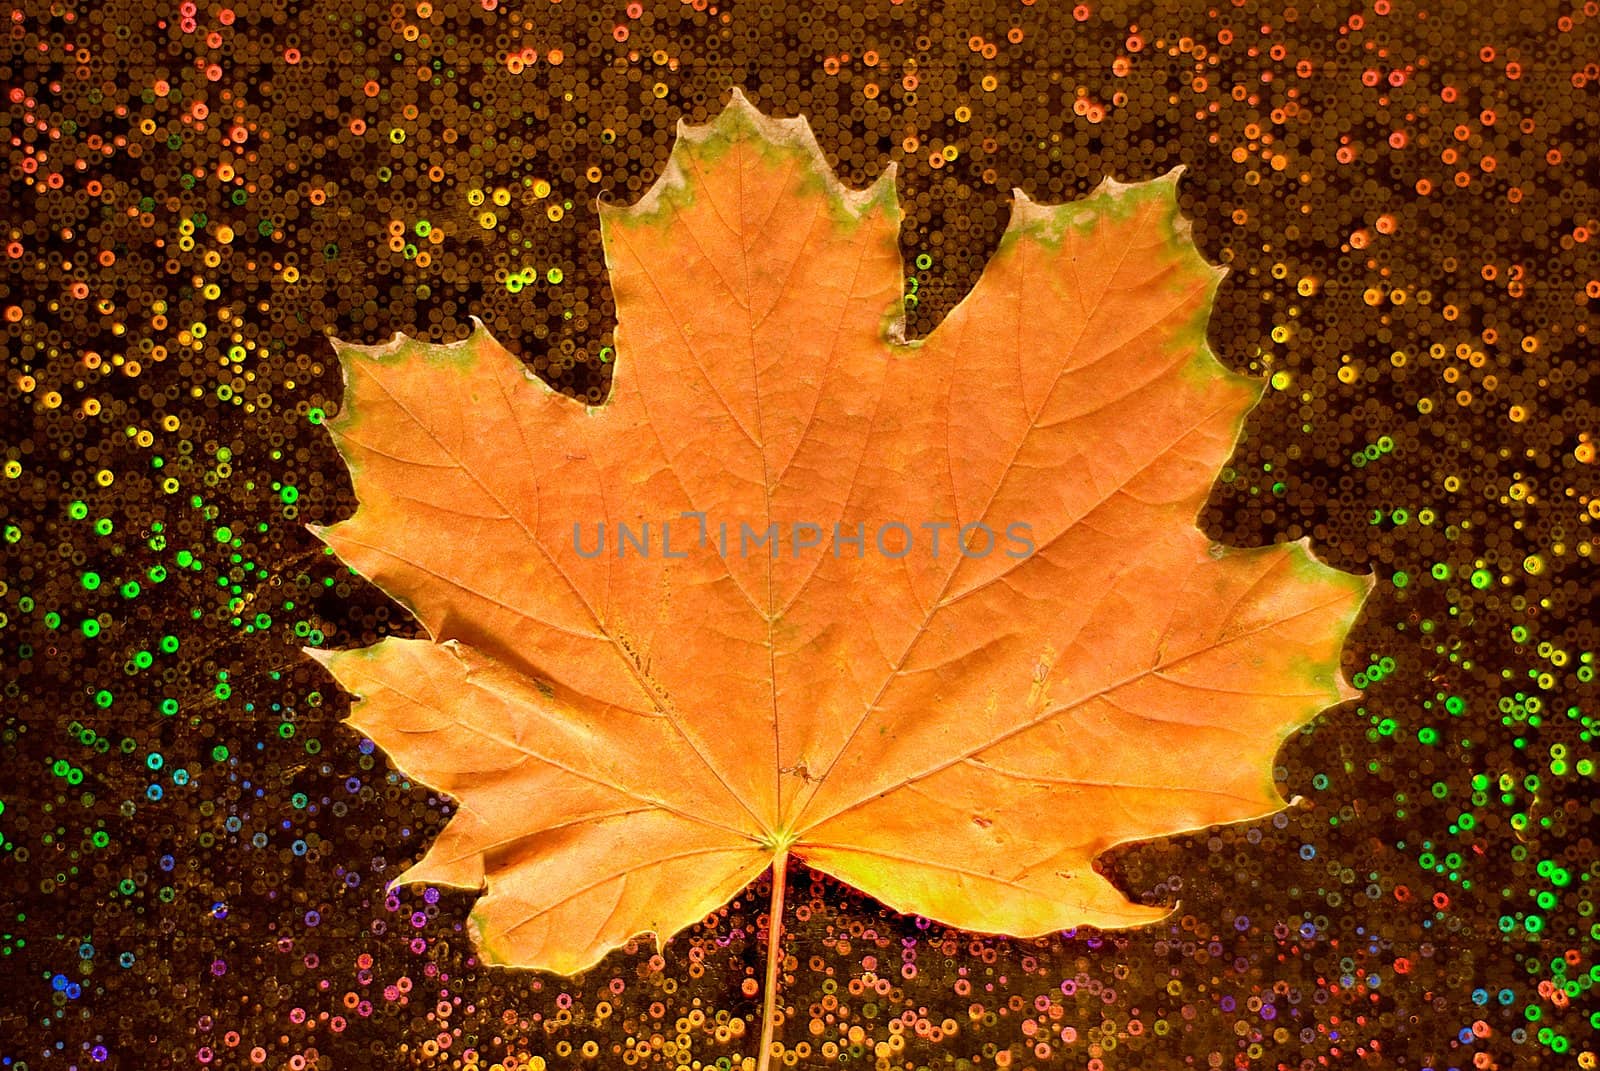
[{"x": 1406, "y": 197}]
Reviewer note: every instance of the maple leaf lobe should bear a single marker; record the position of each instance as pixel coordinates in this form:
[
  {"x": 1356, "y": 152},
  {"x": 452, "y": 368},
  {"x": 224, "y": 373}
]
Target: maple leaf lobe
[{"x": 633, "y": 739}]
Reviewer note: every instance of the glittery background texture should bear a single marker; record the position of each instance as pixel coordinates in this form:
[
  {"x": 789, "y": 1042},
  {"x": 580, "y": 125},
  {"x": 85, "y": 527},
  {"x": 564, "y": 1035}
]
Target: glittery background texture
[{"x": 194, "y": 853}]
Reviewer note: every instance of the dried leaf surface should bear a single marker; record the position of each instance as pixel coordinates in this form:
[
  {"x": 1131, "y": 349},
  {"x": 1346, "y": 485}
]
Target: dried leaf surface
[{"x": 633, "y": 738}]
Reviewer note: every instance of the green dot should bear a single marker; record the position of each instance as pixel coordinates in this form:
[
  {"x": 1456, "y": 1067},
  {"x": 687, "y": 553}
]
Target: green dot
[
  {"x": 1481, "y": 579},
  {"x": 91, "y": 581},
  {"x": 223, "y": 534},
  {"x": 91, "y": 627},
  {"x": 1401, "y": 579},
  {"x": 290, "y": 494}
]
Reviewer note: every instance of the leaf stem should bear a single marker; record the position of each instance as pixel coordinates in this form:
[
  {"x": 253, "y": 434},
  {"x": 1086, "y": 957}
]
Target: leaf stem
[{"x": 769, "y": 999}]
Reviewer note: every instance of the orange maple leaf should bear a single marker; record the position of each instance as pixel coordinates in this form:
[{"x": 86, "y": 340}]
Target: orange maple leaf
[{"x": 932, "y": 617}]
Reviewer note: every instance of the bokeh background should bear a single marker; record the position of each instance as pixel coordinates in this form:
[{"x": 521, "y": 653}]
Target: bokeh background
[{"x": 194, "y": 853}]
